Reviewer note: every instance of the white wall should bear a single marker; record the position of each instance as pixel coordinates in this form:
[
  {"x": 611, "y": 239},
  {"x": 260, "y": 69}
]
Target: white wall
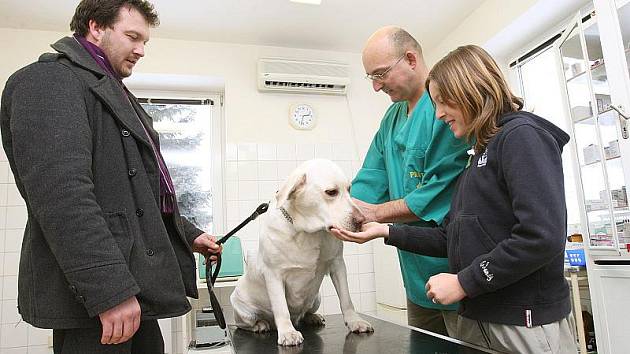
[
  {"x": 480, "y": 26},
  {"x": 236, "y": 64}
]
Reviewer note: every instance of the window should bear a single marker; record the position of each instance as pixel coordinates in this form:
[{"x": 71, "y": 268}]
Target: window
[{"x": 187, "y": 144}]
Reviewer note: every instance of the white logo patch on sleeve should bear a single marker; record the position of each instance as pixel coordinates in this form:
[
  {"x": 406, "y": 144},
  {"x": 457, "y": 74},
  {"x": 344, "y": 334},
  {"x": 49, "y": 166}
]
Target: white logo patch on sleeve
[
  {"x": 483, "y": 159},
  {"x": 484, "y": 268}
]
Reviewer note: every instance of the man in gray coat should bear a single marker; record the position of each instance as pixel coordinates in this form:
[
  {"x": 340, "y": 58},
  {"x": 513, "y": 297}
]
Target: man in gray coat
[{"x": 105, "y": 251}]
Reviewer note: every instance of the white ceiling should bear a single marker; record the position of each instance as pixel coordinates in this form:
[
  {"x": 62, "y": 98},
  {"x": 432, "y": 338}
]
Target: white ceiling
[{"x": 338, "y": 25}]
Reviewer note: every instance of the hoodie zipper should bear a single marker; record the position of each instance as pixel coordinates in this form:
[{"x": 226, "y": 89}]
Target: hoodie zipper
[{"x": 460, "y": 203}]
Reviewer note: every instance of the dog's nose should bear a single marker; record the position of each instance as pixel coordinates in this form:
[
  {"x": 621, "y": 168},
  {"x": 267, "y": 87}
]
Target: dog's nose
[{"x": 358, "y": 218}]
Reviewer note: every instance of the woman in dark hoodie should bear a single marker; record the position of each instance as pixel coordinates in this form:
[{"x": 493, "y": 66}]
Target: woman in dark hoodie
[{"x": 505, "y": 233}]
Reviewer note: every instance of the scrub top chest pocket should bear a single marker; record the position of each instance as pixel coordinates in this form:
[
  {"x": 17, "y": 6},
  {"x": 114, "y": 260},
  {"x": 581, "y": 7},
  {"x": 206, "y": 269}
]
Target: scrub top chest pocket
[{"x": 414, "y": 170}]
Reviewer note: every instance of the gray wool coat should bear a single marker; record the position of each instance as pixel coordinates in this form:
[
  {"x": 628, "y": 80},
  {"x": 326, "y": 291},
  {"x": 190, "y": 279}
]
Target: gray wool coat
[{"x": 82, "y": 162}]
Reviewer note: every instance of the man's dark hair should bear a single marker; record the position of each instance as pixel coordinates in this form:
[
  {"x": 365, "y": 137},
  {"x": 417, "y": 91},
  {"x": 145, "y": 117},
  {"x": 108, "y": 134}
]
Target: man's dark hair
[
  {"x": 403, "y": 41},
  {"x": 105, "y": 13}
]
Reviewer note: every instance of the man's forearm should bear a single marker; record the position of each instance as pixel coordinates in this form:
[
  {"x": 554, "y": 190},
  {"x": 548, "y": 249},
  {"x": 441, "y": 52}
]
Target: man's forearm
[{"x": 394, "y": 211}]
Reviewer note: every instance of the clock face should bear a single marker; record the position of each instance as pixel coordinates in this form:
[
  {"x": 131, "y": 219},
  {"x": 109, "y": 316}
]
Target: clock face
[{"x": 302, "y": 116}]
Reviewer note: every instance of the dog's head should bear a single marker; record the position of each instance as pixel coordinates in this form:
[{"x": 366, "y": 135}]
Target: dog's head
[{"x": 317, "y": 194}]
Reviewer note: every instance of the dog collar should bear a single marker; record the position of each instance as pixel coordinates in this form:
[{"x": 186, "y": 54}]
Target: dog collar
[{"x": 286, "y": 215}]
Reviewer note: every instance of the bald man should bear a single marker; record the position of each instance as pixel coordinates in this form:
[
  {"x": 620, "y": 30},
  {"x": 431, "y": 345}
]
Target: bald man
[{"x": 410, "y": 170}]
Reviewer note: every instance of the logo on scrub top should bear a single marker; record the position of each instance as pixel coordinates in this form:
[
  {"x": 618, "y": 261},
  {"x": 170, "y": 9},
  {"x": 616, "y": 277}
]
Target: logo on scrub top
[{"x": 416, "y": 174}]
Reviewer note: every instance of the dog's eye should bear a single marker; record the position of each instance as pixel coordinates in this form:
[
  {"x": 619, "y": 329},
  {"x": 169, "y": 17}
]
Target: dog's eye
[{"x": 332, "y": 192}]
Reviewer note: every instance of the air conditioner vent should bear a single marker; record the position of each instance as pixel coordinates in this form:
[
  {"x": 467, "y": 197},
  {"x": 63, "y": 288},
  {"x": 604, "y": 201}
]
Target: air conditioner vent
[
  {"x": 305, "y": 68},
  {"x": 318, "y": 77}
]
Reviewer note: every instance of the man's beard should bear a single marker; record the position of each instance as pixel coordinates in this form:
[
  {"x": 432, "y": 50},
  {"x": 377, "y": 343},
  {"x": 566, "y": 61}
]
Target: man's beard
[{"x": 108, "y": 49}]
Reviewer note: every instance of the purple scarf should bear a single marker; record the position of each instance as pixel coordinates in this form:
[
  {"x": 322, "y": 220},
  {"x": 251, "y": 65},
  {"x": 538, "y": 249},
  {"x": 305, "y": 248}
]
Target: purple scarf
[{"x": 167, "y": 190}]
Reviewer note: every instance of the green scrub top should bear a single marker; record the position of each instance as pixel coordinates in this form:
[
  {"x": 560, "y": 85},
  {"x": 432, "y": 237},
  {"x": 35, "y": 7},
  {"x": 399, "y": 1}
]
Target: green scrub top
[{"x": 418, "y": 159}]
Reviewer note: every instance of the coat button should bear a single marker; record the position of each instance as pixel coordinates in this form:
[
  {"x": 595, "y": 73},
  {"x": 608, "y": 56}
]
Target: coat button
[
  {"x": 150, "y": 252},
  {"x": 125, "y": 132},
  {"x": 132, "y": 172},
  {"x": 139, "y": 212},
  {"x": 80, "y": 298},
  {"x": 73, "y": 289}
]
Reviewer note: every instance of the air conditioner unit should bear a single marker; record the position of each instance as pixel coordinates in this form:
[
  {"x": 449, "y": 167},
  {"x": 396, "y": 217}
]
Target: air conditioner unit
[{"x": 298, "y": 76}]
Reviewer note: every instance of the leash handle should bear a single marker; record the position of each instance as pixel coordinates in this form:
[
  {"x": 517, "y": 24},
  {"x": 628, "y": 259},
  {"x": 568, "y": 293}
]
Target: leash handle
[{"x": 262, "y": 208}]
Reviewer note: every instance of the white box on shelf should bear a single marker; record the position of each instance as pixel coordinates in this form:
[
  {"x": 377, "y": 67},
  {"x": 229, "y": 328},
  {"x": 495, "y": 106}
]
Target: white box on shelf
[
  {"x": 608, "y": 154},
  {"x": 619, "y": 197},
  {"x": 581, "y": 112},
  {"x": 612, "y": 150},
  {"x": 591, "y": 154},
  {"x": 577, "y": 68},
  {"x": 593, "y": 205}
]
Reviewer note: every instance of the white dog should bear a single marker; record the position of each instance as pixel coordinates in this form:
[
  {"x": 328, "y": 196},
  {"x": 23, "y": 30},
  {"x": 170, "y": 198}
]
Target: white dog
[{"x": 295, "y": 252}]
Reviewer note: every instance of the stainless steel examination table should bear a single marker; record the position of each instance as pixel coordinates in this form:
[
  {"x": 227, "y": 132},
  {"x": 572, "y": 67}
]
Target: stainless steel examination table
[{"x": 388, "y": 338}]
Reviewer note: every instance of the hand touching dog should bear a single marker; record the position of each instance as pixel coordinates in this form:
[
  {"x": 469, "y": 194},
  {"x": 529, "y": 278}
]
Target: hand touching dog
[
  {"x": 368, "y": 232},
  {"x": 443, "y": 288}
]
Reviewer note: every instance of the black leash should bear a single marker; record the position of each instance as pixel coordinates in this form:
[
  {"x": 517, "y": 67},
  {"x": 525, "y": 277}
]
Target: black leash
[{"x": 211, "y": 276}]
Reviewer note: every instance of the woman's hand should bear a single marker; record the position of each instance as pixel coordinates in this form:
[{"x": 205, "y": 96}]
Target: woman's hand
[
  {"x": 368, "y": 232},
  {"x": 445, "y": 289}
]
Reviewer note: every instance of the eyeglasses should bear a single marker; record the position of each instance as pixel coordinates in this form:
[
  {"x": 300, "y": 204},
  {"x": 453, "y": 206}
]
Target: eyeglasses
[{"x": 381, "y": 76}]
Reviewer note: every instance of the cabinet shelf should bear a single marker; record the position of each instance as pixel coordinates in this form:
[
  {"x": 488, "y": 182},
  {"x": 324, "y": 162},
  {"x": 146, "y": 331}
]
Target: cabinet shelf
[
  {"x": 593, "y": 68},
  {"x": 607, "y": 110},
  {"x": 576, "y": 76},
  {"x": 598, "y": 161},
  {"x": 604, "y": 211},
  {"x": 583, "y": 119}
]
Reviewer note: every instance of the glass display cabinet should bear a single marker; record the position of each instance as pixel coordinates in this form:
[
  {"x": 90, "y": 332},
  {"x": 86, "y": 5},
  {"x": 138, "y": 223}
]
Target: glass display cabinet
[
  {"x": 598, "y": 128},
  {"x": 594, "y": 54}
]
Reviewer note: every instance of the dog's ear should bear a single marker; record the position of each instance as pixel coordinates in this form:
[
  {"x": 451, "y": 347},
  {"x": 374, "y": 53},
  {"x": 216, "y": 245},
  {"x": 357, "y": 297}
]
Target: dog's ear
[{"x": 290, "y": 188}]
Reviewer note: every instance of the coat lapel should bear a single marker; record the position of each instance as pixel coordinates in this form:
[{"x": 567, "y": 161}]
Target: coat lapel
[
  {"x": 145, "y": 118},
  {"x": 113, "y": 97},
  {"x": 106, "y": 89}
]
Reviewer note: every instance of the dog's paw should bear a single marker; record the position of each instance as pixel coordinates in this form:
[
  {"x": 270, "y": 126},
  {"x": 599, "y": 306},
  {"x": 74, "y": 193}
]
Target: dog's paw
[
  {"x": 360, "y": 326},
  {"x": 314, "y": 319},
  {"x": 291, "y": 337},
  {"x": 261, "y": 326}
]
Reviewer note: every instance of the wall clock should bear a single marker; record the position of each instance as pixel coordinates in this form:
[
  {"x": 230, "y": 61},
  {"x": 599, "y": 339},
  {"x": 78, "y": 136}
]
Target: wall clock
[{"x": 302, "y": 116}]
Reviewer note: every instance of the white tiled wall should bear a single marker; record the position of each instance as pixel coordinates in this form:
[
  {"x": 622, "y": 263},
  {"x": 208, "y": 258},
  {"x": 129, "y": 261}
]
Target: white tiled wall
[
  {"x": 15, "y": 336},
  {"x": 254, "y": 172}
]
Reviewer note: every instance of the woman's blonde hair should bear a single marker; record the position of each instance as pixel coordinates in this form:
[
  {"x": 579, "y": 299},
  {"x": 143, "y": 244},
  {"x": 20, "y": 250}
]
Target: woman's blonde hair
[{"x": 471, "y": 80}]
